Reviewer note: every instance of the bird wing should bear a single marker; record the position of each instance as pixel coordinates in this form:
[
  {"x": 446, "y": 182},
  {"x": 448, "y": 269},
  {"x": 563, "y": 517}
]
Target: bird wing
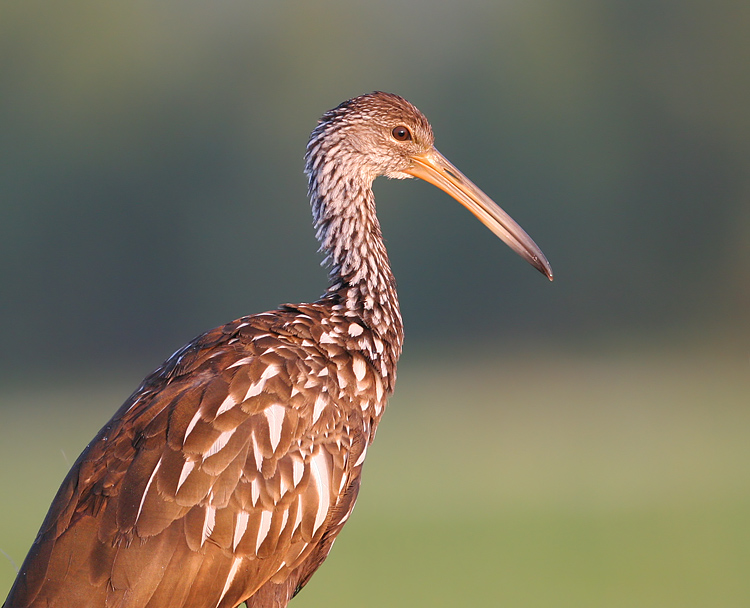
[{"x": 221, "y": 472}]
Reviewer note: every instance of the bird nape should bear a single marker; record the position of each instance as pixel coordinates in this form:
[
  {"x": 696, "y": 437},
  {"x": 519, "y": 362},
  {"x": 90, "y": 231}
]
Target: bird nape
[{"x": 226, "y": 476}]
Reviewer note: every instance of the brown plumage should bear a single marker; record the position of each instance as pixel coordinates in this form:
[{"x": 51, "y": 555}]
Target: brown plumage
[{"x": 228, "y": 473}]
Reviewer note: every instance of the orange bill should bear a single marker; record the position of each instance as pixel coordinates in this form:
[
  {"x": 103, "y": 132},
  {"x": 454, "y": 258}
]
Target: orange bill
[{"x": 434, "y": 168}]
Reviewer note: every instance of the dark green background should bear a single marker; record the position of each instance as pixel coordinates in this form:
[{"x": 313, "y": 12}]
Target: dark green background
[{"x": 580, "y": 443}]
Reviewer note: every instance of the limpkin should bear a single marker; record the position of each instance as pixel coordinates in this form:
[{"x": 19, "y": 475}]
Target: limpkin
[{"x": 226, "y": 476}]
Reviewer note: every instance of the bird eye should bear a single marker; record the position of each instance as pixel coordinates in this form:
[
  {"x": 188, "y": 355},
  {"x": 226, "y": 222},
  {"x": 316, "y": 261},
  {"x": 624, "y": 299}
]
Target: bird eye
[{"x": 401, "y": 133}]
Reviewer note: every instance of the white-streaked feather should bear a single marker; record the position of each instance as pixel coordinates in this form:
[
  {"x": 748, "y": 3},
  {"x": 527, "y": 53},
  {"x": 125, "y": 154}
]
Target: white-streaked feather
[
  {"x": 145, "y": 491},
  {"x": 320, "y": 403},
  {"x": 209, "y": 521},
  {"x": 230, "y": 577},
  {"x": 275, "y": 417},
  {"x": 322, "y": 478},
  {"x": 265, "y": 526},
  {"x": 186, "y": 470},
  {"x": 239, "y": 528},
  {"x": 220, "y": 442}
]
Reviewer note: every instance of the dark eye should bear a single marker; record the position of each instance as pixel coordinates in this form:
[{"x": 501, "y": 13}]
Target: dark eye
[{"x": 401, "y": 133}]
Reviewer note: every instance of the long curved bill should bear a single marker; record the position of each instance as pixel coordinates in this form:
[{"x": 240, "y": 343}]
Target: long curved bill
[{"x": 434, "y": 168}]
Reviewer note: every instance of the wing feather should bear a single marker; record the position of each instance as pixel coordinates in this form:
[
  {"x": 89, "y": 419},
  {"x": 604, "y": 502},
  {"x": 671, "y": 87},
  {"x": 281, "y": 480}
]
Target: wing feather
[{"x": 220, "y": 473}]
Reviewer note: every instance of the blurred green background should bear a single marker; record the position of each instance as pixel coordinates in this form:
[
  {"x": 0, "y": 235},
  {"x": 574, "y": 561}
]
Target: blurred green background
[{"x": 581, "y": 443}]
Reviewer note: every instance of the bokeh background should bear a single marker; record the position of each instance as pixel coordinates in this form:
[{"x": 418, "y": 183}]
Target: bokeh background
[{"x": 581, "y": 443}]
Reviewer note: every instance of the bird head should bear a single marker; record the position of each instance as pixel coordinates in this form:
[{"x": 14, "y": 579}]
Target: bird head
[{"x": 383, "y": 134}]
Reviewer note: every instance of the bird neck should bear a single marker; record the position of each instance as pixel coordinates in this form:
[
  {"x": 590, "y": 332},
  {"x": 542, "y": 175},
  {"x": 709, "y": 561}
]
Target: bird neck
[{"x": 361, "y": 281}]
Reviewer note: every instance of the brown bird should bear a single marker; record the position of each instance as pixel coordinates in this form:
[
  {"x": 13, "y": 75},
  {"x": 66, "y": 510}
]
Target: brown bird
[{"x": 226, "y": 476}]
